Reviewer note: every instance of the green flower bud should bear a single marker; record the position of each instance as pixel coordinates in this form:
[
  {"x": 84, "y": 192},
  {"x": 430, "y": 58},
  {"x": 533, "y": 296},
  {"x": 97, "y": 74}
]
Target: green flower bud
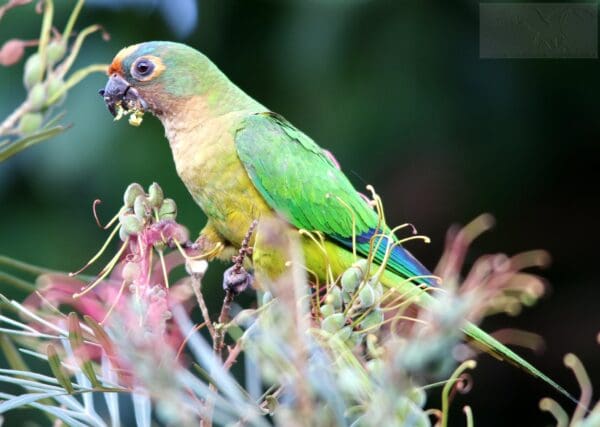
[
  {"x": 344, "y": 333},
  {"x": 334, "y": 297},
  {"x": 155, "y": 195},
  {"x": 327, "y": 310},
  {"x": 55, "y": 86},
  {"x": 30, "y": 122},
  {"x": 354, "y": 339},
  {"x": 159, "y": 245},
  {"x": 372, "y": 320},
  {"x": 168, "y": 209},
  {"x": 333, "y": 323},
  {"x": 131, "y": 271},
  {"x": 418, "y": 396},
  {"x": 362, "y": 265},
  {"x": 37, "y": 96},
  {"x": 378, "y": 291},
  {"x": 123, "y": 234},
  {"x": 351, "y": 279},
  {"x": 33, "y": 71},
  {"x": 140, "y": 207},
  {"x": 366, "y": 296},
  {"x": 55, "y": 51},
  {"x": 346, "y": 297},
  {"x": 130, "y": 223},
  {"x": 131, "y": 193}
]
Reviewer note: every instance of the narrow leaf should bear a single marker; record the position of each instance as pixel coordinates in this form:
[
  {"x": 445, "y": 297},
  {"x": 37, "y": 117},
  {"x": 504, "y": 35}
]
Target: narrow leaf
[
  {"x": 15, "y": 361},
  {"x": 79, "y": 350},
  {"x": 9, "y": 150},
  {"x": 25, "y": 399},
  {"x": 142, "y": 408},
  {"x": 57, "y": 369}
]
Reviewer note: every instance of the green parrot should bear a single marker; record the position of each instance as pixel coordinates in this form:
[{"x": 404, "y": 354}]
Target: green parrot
[{"x": 241, "y": 163}]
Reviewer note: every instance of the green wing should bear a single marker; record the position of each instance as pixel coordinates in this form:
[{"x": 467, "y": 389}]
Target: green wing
[{"x": 300, "y": 182}]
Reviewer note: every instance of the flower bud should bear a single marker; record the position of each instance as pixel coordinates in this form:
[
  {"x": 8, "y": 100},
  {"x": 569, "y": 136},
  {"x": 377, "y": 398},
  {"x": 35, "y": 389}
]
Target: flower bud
[
  {"x": 334, "y": 297},
  {"x": 55, "y": 86},
  {"x": 354, "y": 339},
  {"x": 11, "y": 52},
  {"x": 131, "y": 193},
  {"x": 372, "y": 320},
  {"x": 34, "y": 71},
  {"x": 159, "y": 245},
  {"x": 344, "y": 333},
  {"x": 378, "y": 290},
  {"x": 37, "y": 96},
  {"x": 168, "y": 209},
  {"x": 123, "y": 234},
  {"x": 131, "y": 271},
  {"x": 333, "y": 323},
  {"x": 346, "y": 297},
  {"x": 366, "y": 296},
  {"x": 327, "y": 310},
  {"x": 140, "y": 207},
  {"x": 362, "y": 265},
  {"x": 30, "y": 122},
  {"x": 155, "y": 195},
  {"x": 418, "y": 396},
  {"x": 55, "y": 51},
  {"x": 130, "y": 223},
  {"x": 351, "y": 279}
]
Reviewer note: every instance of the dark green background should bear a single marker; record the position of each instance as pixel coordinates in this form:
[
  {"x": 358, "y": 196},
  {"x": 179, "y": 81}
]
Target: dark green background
[{"x": 397, "y": 91}]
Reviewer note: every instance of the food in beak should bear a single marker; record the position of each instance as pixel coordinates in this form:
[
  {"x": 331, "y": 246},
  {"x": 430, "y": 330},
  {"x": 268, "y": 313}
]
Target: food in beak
[{"x": 123, "y": 100}]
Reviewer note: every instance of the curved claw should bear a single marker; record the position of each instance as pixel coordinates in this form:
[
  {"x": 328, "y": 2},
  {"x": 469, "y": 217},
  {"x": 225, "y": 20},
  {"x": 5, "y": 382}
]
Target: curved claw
[{"x": 236, "y": 279}]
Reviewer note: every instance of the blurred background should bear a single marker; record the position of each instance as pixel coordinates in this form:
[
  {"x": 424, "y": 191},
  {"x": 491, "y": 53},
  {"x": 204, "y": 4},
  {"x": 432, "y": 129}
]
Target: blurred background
[{"x": 397, "y": 91}]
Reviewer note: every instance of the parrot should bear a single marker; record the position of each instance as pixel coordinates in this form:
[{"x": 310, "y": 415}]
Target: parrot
[{"x": 242, "y": 162}]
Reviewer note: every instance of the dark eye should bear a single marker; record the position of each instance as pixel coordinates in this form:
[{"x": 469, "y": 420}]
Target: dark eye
[{"x": 143, "y": 68}]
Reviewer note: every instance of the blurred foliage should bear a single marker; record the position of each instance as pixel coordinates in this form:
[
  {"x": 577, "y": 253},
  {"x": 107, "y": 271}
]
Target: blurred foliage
[{"x": 446, "y": 134}]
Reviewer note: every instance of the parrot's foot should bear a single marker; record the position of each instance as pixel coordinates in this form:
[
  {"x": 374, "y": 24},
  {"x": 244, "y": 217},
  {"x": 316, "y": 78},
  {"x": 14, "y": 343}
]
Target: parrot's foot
[{"x": 237, "y": 279}]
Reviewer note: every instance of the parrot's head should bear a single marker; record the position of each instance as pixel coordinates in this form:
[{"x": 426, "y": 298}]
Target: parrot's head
[{"x": 156, "y": 77}]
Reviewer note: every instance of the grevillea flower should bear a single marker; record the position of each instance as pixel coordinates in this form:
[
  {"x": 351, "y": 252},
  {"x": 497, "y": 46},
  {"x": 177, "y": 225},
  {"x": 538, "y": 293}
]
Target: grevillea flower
[{"x": 132, "y": 296}]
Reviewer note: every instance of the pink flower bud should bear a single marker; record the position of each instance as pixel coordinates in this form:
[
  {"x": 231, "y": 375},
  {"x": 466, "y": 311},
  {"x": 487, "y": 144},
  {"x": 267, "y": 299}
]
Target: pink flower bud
[{"x": 11, "y": 52}]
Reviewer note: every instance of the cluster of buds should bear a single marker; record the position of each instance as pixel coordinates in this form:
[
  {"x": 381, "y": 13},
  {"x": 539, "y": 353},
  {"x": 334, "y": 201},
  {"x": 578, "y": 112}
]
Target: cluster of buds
[
  {"x": 44, "y": 73},
  {"x": 352, "y": 310},
  {"x": 142, "y": 209}
]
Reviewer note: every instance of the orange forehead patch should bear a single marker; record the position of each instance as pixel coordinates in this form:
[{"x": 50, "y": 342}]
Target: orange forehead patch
[{"x": 116, "y": 65}]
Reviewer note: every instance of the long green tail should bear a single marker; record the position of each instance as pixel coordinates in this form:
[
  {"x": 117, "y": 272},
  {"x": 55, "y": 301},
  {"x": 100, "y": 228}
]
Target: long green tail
[
  {"x": 481, "y": 338},
  {"x": 491, "y": 345}
]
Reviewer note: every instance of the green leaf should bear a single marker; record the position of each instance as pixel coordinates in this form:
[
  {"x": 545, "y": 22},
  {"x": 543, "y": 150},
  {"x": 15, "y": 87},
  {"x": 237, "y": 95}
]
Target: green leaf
[
  {"x": 57, "y": 369},
  {"x": 9, "y": 149},
  {"x": 101, "y": 336},
  {"x": 25, "y": 399},
  {"x": 10, "y": 352},
  {"x": 16, "y": 282},
  {"x": 76, "y": 339}
]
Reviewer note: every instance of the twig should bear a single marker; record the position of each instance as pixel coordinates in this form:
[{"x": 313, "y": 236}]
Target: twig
[
  {"x": 196, "y": 286},
  {"x": 232, "y": 355},
  {"x": 10, "y": 122},
  {"x": 221, "y": 327}
]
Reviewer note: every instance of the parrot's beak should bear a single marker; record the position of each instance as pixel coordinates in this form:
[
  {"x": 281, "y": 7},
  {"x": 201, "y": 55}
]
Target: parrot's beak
[{"x": 120, "y": 95}]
